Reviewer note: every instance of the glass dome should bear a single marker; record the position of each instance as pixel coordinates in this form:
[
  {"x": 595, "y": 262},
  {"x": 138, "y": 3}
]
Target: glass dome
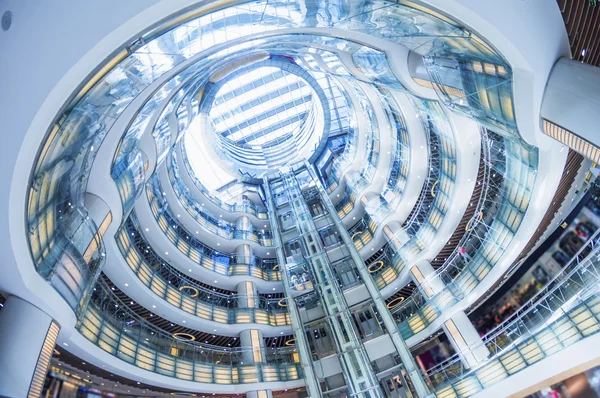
[{"x": 260, "y": 117}]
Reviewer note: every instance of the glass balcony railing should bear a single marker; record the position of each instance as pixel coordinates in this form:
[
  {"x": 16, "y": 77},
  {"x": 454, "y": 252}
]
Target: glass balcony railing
[
  {"x": 203, "y": 255},
  {"x": 75, "y": 258},
  {"x": 362, "y": 232},
  {"x": 129, "y": 165},
  {"x": 345, "y": 205},
  {"x": 240, "y": 205},
  {"x": 207, "y": 220},
  {"x": 398, "y": 172},
  {"x": 489, "y": 236},
  {"x": 114, "y": 327},
  {"x": 358, "y": 180},
  {"x": 189, "y": 295},
  {"x": 433, "y": 202},
  {"x": 129, "y": 175},
  {"x": 565, "y": 311}
]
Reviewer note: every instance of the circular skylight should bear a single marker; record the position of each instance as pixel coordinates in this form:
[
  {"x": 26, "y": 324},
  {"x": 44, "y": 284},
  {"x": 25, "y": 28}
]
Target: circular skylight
[
  {"x": 261, "y": 107},
  {"x": 258, "y": 118}
]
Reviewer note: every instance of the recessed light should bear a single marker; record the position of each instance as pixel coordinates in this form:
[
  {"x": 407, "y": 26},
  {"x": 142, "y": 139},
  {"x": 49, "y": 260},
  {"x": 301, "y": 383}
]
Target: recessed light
[{"x": 127, "y": 284}]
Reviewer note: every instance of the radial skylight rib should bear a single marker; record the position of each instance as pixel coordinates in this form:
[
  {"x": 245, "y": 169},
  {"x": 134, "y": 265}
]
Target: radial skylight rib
[
  {"x": 283, "y": 107},
  {"x": 254, "y": 127},
  {"x": 237, "y": 116}
]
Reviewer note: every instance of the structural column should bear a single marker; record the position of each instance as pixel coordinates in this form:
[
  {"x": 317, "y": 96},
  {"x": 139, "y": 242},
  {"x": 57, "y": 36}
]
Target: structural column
[
  {"x": 243, "y": 224},
  {"x": 243, "y": 254},
  {"x": 423, "y": 274},
  {"x": 253, "y": 345},
  {"x": 247, "y": 295},
  {"x": 466, "y": 341},
  {"x": 570, "y": 106},
  {"x": 27, "y": 339},
  {"x": 460, "y": 331},
  {"x": 259, "y": 394},
  {"x": 395, "y": 234}
]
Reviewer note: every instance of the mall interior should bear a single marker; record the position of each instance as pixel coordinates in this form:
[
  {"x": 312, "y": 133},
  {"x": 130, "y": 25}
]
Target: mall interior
[{"x": 300, "y": 198}]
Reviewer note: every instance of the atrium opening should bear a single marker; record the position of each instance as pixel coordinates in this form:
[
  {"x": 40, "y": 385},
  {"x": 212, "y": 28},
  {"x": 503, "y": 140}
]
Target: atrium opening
[{"x": 328, "y": 198}]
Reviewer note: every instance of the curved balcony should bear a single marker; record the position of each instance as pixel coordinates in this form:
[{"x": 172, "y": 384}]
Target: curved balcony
[
  {"x": 379, "y": 206},
  {"x": 163, "y": 136},
  {"x": 190, "y": 295},
  {"x": 75, "y": 257},
  {"x": 92, "y": 111},
  {"x": 401, "y": 157},
  {"x": 480, "y": 88},
  {"x": 356, "y": 181},
  {"x": 434, "y": 200},
  {"x": 239, "y": 205},
  {"x": 362, "y": 232},
  {"x": 128, "y": 166},
  {"x": 565, "y": 311},
  {"x": 114, "y": 327},
  {"x": 203, "y": 255},
  {"x": 129, "y": 176},
  {"x": 488, "y": 239},
  {"x": 209, "y": 221},
  {"x": 344, "y": 164}
]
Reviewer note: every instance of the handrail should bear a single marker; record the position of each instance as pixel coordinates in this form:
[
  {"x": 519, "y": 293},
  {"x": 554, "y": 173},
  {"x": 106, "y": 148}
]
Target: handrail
[
  {"x": 577, "y": 262},
  {"x": 113, "y": 326},
  {"x": 482, "y": 204},
  {"x": 204, "y": 255},
  {"x": 243, "y": 205},
  {"x": 464, "y": 282},
  {"x": 399, "y": 166},
  {"x": 157, "y": 263},
  {"x": 207, "y": 220}
]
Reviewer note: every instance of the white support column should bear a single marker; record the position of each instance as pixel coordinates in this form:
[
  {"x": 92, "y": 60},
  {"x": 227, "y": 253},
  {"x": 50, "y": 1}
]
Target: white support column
[
  {"x": 466, "y": 341},
  {"x": 247, "y": 295},
  {"x": 259, "y": 394},
  {"x": 395, "y": 235},
  {"x": 98, "y": 211},
  {"x": 253, "y": 344},
  {"x": 27, "y": 338},
  {"x": 460, "y": 331},
  {"x": 243, "y": 223},
  {"x": 243, "y": 253},
  {"x": 424, "y": 276},
  {"x": 572, "y": 98}
]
